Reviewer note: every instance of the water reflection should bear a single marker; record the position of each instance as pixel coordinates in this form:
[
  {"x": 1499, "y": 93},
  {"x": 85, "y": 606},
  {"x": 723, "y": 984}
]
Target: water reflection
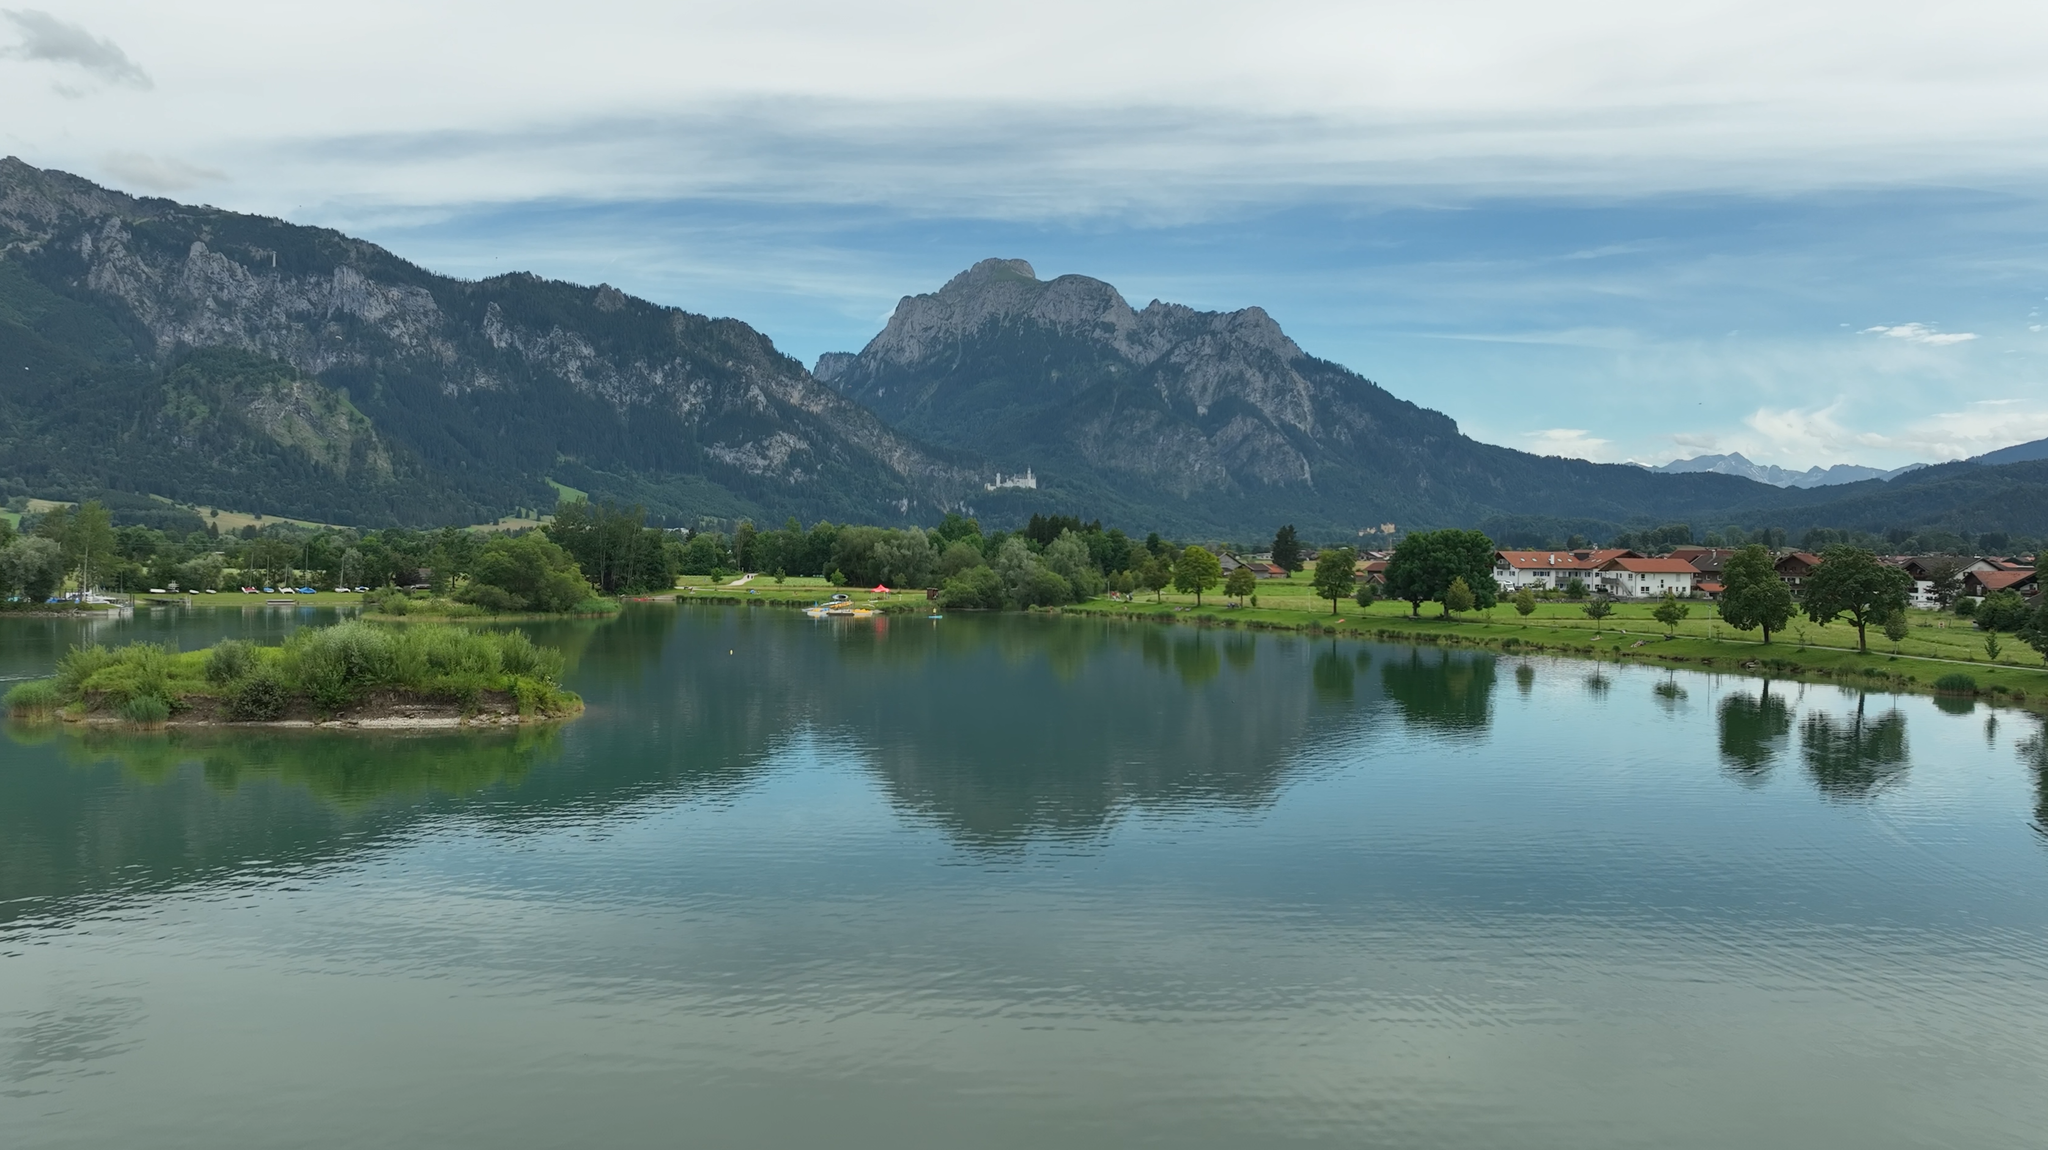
[
  {"x": 1444, "y": 692},
  {"x": 1855, "y": 756},
  {"x": 1333, "y": 673},
  {"x": 1754, "y": 731},
  {"x": 2033, "y": 752},
  {"x": 348, "y": 770}
]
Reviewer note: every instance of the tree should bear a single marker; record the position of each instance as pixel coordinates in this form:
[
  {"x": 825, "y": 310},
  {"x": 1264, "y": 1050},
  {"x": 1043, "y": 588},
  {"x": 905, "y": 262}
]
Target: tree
[
  {"x": 1525, "y": 602},
  {"x": 1154, "y": 575},
  {"x": 1946, "y": 577},
  {"x": 2001, "y": 611},
  {"x": 616, "y": 549},
  {"x": 1850, "y": 581},
  {"x": 1598, "y": 608},
  {"x": 977, "y": 588},
  {"x": 1992, "y": 646},
  {"x": 1367, "y": 594},
  {"x": 743, "y": 538},
  {"x": 1575, "y": 588},
  {"x": 1196, "y": 572},
  {"x": 1287, "y": 550},
  {"x": 1424, "y": 564},
  {"x": 1458, "y": 596},
  {"x": 1896, "y": 629},
  {"x": 1752, "y": 595},
  {"x": 2035, "y": 633},
  {"x": 1671, "y": 613},
  {"x": 33, "y": 566},
  {"x": 526, "y": 572},
  {"x": 959, "y": 557},
  {"x": 1069, "y": 558},
  {"x": 88, "y": 541},
  {"x": 1241, "y": 584},
  {"x": 1335, "y": 574}
]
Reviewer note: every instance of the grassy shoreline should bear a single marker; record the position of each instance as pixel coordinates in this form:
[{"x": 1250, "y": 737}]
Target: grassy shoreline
[
  {"x": 1619, "y": 639},
  {"x": 1938, "y": 645}
]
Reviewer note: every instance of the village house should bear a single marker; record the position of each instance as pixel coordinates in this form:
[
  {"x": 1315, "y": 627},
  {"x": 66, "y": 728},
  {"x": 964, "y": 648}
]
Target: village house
[
  {"x": 1794, "y": 568},
  {"x": 1261, "y": 567},
  {"x": 1978, "y": 584},
  {"x": 1550, "y": 570},
  {"x": 1639, "y": 578},
  {"x": 1708, "y": 561}
]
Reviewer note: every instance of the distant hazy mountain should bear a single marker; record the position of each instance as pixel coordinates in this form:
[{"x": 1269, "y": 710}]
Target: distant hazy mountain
[
  {"x": 2017, "y": 453},
  {"x": 241, "y": 361},
  {"x": 1735, "y": 464},
  {"x": 1204, "y": 421}
]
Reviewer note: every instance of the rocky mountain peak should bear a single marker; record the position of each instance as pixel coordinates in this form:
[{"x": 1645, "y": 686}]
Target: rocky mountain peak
[{"x": 990, "y": 270}]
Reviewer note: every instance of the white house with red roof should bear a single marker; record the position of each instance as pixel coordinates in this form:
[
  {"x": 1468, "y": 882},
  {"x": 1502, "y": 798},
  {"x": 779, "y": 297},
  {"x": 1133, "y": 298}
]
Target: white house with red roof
[
  {"x": 1550, "y": 570},
  {"x": 1640, "y": 578}
]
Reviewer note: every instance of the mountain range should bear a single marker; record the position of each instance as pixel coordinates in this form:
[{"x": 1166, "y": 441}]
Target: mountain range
[
  {"x": 232, "y": 360},
  {"x": 1734, "y": 464},
  {"x": 224, "y": 359}
]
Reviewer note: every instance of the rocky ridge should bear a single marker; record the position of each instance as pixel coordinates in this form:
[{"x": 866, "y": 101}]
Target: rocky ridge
[{"x": 490, "y": 387}]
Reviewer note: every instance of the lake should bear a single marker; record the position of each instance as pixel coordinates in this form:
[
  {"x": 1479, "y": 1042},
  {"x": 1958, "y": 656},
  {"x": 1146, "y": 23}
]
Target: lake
[{"x": 1015, "y": 881}]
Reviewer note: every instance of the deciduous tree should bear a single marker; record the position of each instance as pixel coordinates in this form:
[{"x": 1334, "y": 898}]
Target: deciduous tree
[
  {"x": 1850, "y": 581},
  {"x": 1241, "y": 584},
  {"x": 1458, "y": 596},
  {"x": 1196, "y": 572},
  {"x": 1671, "y": 613},
  {"x": 1752, "y": 595},
  {"x": 1335, "y": 578},
  {"x": 1424, "y": 564}
]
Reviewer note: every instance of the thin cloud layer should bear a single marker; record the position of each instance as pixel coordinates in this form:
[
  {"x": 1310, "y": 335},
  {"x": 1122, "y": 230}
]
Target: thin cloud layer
[
  {"x": 1920, "y": 333},
  {"x": 1638, "y": 227},
  {"x": 46, "y": 38},
  {"x": 1071, "y": 110}
]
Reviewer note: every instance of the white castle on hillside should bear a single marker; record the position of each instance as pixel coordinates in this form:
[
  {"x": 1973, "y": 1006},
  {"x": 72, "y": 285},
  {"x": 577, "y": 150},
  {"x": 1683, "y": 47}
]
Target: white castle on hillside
[{"x": 1026, "y": 480}]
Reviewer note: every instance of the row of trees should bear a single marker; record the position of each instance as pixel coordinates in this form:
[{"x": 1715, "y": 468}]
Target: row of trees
[
  {"x": 1850, "y": 583},
  {"x": 61, "y": 543}
]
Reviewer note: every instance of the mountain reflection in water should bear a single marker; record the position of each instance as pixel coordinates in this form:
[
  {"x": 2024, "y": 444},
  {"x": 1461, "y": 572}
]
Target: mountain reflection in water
[
  {"x": 999, "y": 730},
  {"x": 1035, "y": 881}
]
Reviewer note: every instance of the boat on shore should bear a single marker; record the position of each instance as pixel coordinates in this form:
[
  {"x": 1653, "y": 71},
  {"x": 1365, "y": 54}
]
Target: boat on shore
[{"x": 839, "y": 607}]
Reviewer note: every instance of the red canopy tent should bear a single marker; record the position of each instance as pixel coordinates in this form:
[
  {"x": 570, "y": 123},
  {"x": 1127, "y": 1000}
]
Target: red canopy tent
[{"x": 881, "y": 589}]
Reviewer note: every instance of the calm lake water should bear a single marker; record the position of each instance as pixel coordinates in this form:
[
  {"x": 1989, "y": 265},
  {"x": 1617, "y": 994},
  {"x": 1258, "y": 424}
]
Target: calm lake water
[{"x": 1004, "y": 882}]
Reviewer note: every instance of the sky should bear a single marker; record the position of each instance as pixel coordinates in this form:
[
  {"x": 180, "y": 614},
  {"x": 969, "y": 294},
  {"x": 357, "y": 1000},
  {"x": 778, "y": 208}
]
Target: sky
[{"x": 1813, "y": 233}]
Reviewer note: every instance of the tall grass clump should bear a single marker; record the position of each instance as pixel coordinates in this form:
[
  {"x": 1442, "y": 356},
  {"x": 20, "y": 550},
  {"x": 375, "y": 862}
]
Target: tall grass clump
[
  {"x": 146, "y": 711},
  {"x": 335, "y": 666},
  {"x": 79, "y": 664},
  {"x": 1956, "y": 683},
  {"x": 120, "y": 674},
  {"x": 229, "y": 660},
  {"x": 35, "y": 700}
]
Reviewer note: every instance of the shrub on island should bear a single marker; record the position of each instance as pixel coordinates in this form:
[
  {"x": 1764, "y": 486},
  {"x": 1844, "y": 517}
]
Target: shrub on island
[{"x": 317, "y": 671}]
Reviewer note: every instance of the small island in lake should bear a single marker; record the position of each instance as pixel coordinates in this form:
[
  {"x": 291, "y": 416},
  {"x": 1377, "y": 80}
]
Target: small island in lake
[{"x": 353, "y": 674}]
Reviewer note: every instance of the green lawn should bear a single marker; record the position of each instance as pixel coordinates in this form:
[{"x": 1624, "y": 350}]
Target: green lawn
[{"x": 1939, "y": 643}]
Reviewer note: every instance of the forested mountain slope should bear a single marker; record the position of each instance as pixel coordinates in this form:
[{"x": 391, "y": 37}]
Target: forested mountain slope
[
  {"x": 1209, "y": 421},
  {"x": 223, "y": 358}
]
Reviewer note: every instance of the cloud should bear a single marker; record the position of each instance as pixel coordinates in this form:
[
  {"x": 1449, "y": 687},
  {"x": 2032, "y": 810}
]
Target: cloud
[
  {"x": 1818, "y": 435},
  {"x": 1574, "y": 442},
  {"x": 1920, "y": 333},
  {"x": 44, "y": 37},
  {"x": 151, "y": 174}
]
